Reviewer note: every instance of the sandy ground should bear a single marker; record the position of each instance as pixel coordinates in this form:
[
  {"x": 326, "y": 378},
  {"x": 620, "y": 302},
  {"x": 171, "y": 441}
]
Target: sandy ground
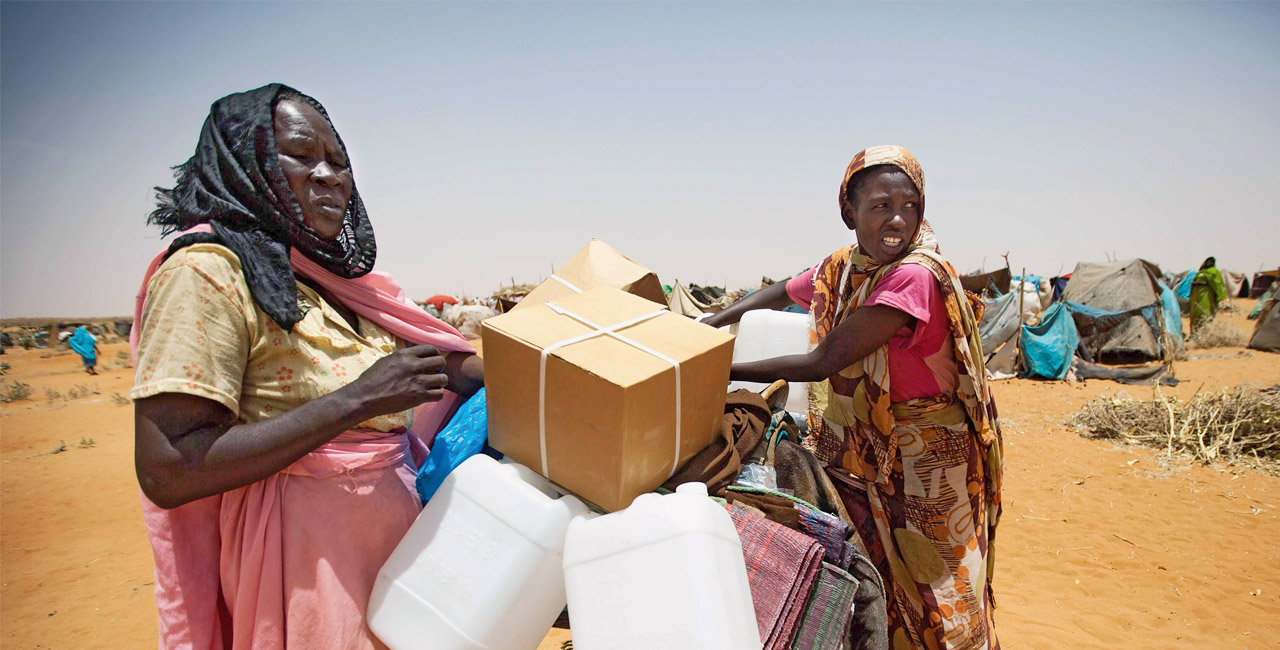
[{"x": 1101, "y": 546}]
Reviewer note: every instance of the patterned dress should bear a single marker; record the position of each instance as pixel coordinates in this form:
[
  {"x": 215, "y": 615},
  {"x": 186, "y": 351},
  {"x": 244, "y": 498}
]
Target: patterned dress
[{"x": 920, "y": 478}]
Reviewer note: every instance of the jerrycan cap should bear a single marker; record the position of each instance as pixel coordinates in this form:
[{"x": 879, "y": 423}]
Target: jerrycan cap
[{"x": 693, "y": 489}]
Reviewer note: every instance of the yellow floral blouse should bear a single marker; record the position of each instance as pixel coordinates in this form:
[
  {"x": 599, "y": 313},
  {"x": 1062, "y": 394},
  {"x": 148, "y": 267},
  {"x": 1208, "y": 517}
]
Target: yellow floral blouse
[{"x": 203, "y": 335}]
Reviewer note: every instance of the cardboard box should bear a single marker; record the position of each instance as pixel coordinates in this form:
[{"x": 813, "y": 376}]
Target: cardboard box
[
  {"x": 610, "y": 408},
  {"x": 597, "y": 265}
]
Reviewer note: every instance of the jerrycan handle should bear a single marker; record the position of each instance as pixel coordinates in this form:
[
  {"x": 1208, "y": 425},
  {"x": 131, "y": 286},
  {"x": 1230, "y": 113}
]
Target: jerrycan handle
[
  {"x": 692, "y": 489},
  {"x": 531, "y": 480}
]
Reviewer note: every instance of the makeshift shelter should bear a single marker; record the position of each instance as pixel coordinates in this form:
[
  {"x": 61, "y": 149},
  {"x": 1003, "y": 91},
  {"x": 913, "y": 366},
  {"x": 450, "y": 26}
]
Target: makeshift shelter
[
  {"x": 1121, "y": 311},
  {"x": 998, "y": 329},
  {"x": 1048, "y": 347},
  {"x": 1266, "y": 334},
  {"x": 980, "y": 282},
  {"x": 1181, "y": 283},
  {"x": 1059, "y": 284},
  {"x": 1237, "y": 284},
  {"x": 1262, "y": 302},
  {"x": 1262, "y": 281},
  {"x": 682, "y": 302},
  {"x": 439, "y": 301}
]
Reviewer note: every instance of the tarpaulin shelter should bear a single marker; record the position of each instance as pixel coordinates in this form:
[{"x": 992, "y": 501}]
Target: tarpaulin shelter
[
  {"x": 1048, "y": 347},
  {"x": 998, "y": 329},
  {"x": 1237, "y": 284},
  {"x": 1262, "y": 281},
  {"x": 1121, "y": 310},
  {"x": 682, "y": 302},
  {"x": 1059, "y": 284},
  {"x": 1266, "y": 334},
  {"x": 439, "y": 301},
  {"x": 978, "y": 283}
]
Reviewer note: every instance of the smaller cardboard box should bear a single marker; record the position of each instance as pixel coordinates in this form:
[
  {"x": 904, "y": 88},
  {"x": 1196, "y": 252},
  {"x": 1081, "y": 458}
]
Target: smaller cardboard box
[
  {"x": 596, "y": 265},
  {"x": 598, "y": 415}
]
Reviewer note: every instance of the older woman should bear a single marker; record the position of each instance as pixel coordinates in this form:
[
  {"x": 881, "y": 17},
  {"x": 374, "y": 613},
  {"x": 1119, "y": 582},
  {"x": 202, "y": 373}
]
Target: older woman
[
  {"x": 276, "y": 377},
  {"x": 909, "y": 429}
]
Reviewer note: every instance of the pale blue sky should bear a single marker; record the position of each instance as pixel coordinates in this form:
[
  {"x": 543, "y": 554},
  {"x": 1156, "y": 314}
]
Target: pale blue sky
[{"x": 706, "y": 141}]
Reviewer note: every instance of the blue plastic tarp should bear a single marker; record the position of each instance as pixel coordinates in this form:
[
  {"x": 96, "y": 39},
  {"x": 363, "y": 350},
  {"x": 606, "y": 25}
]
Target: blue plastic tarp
[
  {"x": 1172, "y": 314},
  {"x": 462, "y": 438},
  {"x": 1047, "y": 348},
  {"x": 999, "y": 322},
  {"x": 1183, "y": 290}
]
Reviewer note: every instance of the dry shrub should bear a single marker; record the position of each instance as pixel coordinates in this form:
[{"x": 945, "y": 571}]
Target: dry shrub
[
  {"x": 1237, "y": 426},
  {"x": 14, "y": 392},
  {"x": 1218, "y": 333}
]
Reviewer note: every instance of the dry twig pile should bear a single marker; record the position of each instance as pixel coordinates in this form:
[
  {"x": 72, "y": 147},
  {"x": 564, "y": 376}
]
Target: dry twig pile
[
  {"x": 1239, "y": 426},
  {"x": 1218, "y": 333}
]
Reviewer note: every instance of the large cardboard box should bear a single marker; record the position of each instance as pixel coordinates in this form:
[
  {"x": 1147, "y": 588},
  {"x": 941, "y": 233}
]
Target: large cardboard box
[
  {"x": 608, "y": 409},
  {"x": 596, "y": 265}
]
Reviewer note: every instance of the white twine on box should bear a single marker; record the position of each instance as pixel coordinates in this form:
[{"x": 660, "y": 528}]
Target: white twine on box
[
  {"x": 599, "y": 330},
  {"x": 565, "y": 283}
]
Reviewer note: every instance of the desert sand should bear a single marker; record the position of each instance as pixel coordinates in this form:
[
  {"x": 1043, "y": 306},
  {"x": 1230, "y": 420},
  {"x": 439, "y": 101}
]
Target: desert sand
[{"x": 1100, "y": 546}]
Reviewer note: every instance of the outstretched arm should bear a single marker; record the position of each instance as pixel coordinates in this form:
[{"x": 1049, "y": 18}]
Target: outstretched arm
[
  {"x": 862, "y": 333},
  {"x": 773, "y": 296}
]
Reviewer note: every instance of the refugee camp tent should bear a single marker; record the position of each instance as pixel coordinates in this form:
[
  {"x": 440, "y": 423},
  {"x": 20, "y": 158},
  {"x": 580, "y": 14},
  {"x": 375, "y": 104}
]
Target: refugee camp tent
[
  {"x": 999, "y": 323},
  {"x": 997, "y": 330},
  {"x": 979, "y": 282},
  {"x": 1121, "y": 309},
  {"x": 682, "y": 302},
  {"x": 1059, "y": 285},
  {"x": 1262, "y": 302},
  {"x": 1048, "y": 347},
  {"x": 999, "y": 327},
  {"x": 1262, "y": 281},
  {"x": 1237, "y": 284},
  {"x": 1266, "y": 334},
  {"x": 1181, "y": 283}
]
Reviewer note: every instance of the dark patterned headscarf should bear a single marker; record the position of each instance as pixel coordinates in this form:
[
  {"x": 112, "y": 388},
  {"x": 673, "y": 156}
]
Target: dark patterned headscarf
[{"x": 234, "y": 183}]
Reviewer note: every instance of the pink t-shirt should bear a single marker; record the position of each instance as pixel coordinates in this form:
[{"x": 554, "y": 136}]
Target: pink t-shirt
[
  {"x": 800, "y": 288},
  {"x": 921, "y": 360}
]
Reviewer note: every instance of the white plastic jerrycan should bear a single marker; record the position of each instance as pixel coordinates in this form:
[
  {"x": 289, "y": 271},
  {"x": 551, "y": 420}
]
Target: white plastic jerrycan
[
  {"x": 481, "y": 567},
  {"x": 667, "y": 573},
  {"x": 764, "y": 334}
]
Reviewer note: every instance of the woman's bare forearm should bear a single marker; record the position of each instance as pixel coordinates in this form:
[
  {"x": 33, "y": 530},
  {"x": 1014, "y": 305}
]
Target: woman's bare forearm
[
  {"x": 792, "y": 368},
  {"x": 215, "y": 454},
  {"x": 188, "y": 447}
]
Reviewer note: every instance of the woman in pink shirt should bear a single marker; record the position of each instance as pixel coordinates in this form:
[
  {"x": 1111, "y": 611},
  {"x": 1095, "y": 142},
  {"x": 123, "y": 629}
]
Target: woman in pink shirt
[{"x": 909, "y": 430}]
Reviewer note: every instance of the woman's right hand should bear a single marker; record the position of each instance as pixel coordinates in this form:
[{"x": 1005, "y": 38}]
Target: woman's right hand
[{"x": 400, "y": 381}]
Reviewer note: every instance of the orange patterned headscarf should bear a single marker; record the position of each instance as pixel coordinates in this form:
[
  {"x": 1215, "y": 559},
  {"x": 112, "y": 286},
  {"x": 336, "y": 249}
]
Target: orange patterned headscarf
[{"x": 882, "y": 155}]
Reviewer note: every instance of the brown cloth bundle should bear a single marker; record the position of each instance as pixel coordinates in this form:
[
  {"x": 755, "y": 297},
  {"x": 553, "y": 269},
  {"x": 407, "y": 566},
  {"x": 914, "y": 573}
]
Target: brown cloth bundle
[
  {"x": 779, "y": 510},
  {"x": 746, "y": 416}
]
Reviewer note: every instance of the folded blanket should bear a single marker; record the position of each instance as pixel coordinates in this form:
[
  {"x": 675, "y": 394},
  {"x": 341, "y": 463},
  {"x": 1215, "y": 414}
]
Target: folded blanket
[
  {"x": 825, "y": 623},
  {"x": 830, "y": 532},
  {"x": 782, "y": 566}
]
